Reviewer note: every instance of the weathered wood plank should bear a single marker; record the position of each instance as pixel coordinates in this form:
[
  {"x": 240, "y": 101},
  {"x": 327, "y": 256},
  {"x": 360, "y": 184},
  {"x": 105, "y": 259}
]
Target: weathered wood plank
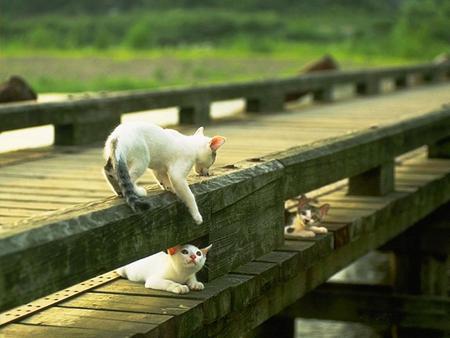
[
  {"x": 121, "y": 323},
  {"x": 40, "y": 331}
]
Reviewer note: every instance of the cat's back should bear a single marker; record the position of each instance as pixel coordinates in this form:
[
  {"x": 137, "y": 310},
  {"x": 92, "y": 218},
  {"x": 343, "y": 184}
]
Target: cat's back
[
  {"x": 139, "y": 270},
  {"x": 136, "y": 128}
]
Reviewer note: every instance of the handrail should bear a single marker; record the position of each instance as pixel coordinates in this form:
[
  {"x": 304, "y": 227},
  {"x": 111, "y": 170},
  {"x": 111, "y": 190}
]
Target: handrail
[{"x": 73, "y": 119}]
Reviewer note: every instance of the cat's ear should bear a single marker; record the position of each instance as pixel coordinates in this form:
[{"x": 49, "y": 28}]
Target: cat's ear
[
  {"x": 173, "y": 250},
  {"x": 199, "y": 131},
  {"x": 324, "y": 209},
  {"x": 216, "y": 142},
  {"x": 205, "y": 250},
  {"x": 302, "y": 201}
]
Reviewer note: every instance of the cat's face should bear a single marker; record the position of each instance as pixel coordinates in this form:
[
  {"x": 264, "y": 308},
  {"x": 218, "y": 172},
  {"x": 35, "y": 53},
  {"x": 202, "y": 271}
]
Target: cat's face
[
  {"x": 310, "y": 215},
  {"x": 207, "y": 153},
  {"x": 188, "y": 256}
]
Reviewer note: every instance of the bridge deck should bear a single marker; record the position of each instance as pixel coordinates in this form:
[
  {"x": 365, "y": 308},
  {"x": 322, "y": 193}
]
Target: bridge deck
[
  {"x": 58, "y": 226},
  {"x": 246, "y": 297},
  {"x": 34, "y": 182}
]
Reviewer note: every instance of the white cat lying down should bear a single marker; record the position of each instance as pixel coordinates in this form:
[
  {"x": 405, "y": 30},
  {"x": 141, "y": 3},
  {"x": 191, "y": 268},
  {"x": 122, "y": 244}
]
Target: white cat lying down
[
  {"x": 173, "y": 271},
  {"x": 134, "y": 147}
]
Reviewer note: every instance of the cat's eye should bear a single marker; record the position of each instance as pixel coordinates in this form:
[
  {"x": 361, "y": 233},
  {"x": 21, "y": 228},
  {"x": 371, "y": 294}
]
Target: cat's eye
[
  {"x": 303, "y": 213},
  {"x": 290, "y": 229},
  {"x": 198, "y": 253},
  {"x": 184, "y": 252}
]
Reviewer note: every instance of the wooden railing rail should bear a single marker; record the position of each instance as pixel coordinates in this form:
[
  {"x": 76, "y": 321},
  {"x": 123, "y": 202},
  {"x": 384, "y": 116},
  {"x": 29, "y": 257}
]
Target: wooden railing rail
[{"x": 86, "y": 120}]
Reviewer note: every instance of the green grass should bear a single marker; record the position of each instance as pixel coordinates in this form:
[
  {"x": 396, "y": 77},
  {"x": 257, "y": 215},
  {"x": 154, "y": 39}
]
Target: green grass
[{"x": 121, "y": 69}]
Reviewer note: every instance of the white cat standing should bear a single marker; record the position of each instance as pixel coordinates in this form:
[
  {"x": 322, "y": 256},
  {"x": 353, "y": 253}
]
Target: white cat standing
[
  {"x": 173, "y": 271},
  {"x": 135, "y": 146}
]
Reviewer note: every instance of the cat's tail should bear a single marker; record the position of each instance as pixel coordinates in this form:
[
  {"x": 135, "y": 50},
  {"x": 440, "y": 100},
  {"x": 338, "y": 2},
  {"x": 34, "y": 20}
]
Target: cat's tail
[{"x": 123, "y": 177}]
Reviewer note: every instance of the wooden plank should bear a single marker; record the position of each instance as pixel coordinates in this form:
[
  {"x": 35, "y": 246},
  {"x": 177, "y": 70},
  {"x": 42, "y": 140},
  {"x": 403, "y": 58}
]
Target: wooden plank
[
  {"x": 119, "y": 322},
  {"x": 22, "y": 330}
]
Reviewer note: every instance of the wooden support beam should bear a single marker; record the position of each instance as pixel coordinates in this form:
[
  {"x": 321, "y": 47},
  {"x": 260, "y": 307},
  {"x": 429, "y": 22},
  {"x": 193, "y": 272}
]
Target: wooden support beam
[
  {"x": 401, "y": 82},
  {"x": 196, "y": 114},
  {"x": 439, "y": 149},
  {"x": 422, "y": 255},
  {"x": 377, "y": 181},
  {"x": 323, "y": 95},
  {"x": 375, "y": 306},
  {"x": 432, "y": 75},
  {"x": 81, "y": 133},
  {"x": 368, "y": 87},
  {"x": 268, "y": 101}
]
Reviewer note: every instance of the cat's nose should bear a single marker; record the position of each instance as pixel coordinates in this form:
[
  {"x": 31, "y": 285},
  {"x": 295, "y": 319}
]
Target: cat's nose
[{"x": 192, "y": 257}]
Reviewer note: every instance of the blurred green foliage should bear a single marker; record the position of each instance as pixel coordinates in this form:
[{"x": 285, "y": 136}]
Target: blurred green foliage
[
  {"x": 395, "y": 27},
  {"x": 82, "y": 45}
]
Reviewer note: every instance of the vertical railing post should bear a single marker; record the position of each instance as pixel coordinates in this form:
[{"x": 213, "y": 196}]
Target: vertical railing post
[
  {"x": 85, "y": 132},
  {"x": 401, "y": 82},
  {"x": 323, "y": 94},
  {"x": 439, "y": 149},
  {"x": 197, "y": 113},
  {"x": 377, "y": 181},
  {"x": 369, "y": 86},
  {"x": 267, "y": 101}
]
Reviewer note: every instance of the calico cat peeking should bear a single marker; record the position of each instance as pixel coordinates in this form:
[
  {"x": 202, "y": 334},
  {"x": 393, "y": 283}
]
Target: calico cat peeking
[
  {"x": 135, "y": 146},
  {"x": 173, "y": 271},
  {"x": 306, "y": 222}
]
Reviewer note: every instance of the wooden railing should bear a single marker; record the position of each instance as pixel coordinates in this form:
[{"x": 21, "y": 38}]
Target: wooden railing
[
  {"x": 86, "y": 120},
  {"x": 242, "y": 208}
]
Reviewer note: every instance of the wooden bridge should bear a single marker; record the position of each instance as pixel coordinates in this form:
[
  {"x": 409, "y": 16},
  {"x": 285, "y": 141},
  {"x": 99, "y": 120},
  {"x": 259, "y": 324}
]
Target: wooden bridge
[{"x": 381, "y": 161}]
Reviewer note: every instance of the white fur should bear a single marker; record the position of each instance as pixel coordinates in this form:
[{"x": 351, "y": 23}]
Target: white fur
[
  {"x": 174, "y": 273},
  {"x": 170, "y": 154}
]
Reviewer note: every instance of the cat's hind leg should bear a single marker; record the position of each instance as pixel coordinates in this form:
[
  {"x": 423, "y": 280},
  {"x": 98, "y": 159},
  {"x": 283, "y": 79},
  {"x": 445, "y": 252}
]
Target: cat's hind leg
[
  {"x": 166, "y": 285},
  {"x": 108, "y": 172},
  {"x": 163, "y": 180},
  {"x": 136, "y": 170}
]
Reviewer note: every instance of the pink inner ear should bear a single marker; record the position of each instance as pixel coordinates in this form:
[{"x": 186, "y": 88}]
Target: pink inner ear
[
  {"x": 172, "y": 251},
  {"x": 216, "y": 142},
  {"x": 324, "y": 209}
]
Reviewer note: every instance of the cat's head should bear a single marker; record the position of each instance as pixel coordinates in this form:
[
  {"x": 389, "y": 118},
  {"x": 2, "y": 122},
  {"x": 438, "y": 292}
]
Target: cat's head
[
  {"x": 307, "y": 214},
  {"x": 206, "y": 154},
  {"x": 311, "y": 214},
  {"x": 188, "y": 257}
]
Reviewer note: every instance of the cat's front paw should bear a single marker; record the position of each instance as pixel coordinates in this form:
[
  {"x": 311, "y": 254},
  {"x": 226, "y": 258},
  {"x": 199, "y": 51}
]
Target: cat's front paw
[
  {"x": 196, "y": 286},
  {"x": 321, "y": 230},
  {"x": 178, "y": 288}
]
